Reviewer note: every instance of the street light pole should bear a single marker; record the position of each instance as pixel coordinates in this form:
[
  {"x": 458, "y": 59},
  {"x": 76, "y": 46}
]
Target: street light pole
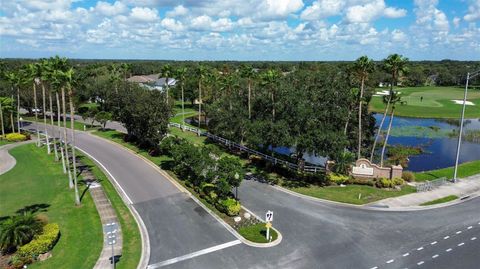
[{"x": 461, "y": 124}]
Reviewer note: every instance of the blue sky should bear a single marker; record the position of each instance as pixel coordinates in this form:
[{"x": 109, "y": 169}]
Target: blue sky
[{"x": 241, "y": 29}]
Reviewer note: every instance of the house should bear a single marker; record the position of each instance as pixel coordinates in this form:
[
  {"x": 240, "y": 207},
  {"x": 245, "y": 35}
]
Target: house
[{"x": 153, "y": 81}]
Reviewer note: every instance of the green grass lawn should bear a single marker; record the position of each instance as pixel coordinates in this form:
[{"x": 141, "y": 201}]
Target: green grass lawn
[
  {"x": 441, "y": 200},
  {"x": 257, "y": 233},
  {"x": 464, "y": 170},
  {"x": 38, "y": 180},
  {"x": 350, "y": 193},
  {"x": 4, "y": 142},
  {"x": 436, "y": 102},
  {"x": 132, "y": 241}
]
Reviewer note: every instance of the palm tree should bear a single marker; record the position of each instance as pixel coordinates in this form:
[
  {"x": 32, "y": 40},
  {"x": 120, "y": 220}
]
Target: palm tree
[
  {"x": 13, "y": 79},
  {"x": 394, "y": 99},
  {"x": 394, "y": 64},
  {"x": 69, "y": 79},
  {"x": 1, "y": 119},
  {"x": 363, "y": 66},
  {"x": 248, "y": 72},
  {"x": 33, "y": 73},
  {"x": 166, "y": 73},
  {"x": 57, "y": 83},
  {"x": 45, "y": 69},
  {"x": 18, "y": 230},
  {"x": 180, "y": 74},
  {"x": 202, "y": 74},
  {"x": 228, "y": 82},
  {"x": 270, "y": 80}
]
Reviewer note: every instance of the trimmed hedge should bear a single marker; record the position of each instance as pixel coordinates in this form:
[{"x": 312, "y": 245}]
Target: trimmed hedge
[
  {"x": 229, "y": 206},
  {"x": 42, "y": 243},
  {"x": 15, "y": 137},
  {"x": 337, "y": 178}
]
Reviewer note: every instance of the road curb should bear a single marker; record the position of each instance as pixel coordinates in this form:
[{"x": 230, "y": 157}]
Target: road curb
[{"x": 209, "y": 211}]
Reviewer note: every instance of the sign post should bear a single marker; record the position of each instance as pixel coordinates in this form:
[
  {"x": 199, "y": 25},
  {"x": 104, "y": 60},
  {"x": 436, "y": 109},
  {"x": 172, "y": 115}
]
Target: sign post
[{"x": 268, "y": 225}]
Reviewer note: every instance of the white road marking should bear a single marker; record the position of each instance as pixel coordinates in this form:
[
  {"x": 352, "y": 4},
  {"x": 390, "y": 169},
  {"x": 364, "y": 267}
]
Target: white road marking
[
  {"x": 376, "y": 267},
  {"x": 473, "y": 238},
  {"x": 446, "y": 237},
  {"x": 469, "y": 227},
  {"x": 420, "y": 263},
  {"x": 406, "y": 254},
  {"x": 390, "y": 261},
  {"x": 194, "y": 254},
  {"x": 433, "y": 243},
  {"x": 448, "y": 250},
  {"x": 420, "y": 248},
  {"x": 434, "y": 256},
  {"x": 461, "y": 244},
  {"x": 459, "y": 232}
]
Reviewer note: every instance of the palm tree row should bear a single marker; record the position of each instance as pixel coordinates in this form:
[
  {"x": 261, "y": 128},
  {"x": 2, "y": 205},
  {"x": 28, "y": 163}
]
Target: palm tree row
[{"x": 54, "y": 76}]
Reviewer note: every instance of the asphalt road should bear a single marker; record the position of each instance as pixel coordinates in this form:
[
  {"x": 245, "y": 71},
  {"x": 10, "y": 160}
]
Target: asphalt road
[{"x": 315, "y": 234}]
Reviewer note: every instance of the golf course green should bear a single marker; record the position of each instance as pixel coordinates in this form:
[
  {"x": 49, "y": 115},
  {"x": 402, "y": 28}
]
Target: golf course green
[{"x": 430, "y": 102}]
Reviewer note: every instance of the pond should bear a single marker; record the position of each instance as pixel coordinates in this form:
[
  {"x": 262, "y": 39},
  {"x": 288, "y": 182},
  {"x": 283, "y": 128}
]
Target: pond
[{"x": 437, "y": 139}]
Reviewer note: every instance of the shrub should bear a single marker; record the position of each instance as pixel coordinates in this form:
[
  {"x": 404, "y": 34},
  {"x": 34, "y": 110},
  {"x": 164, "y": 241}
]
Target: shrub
[
  {"x": 408, "y": 176},
  {"x": 398, "y": 181},
  {"x": 42, "y": 243},
  {"x": 384, "y": 183},
  {"x": 361, "y": 181},
  {"x": 15, "y": 137},
  {"x": 229, "y": 206},
  {"x": 167, "y": 144},
  {"x": 18, "y": 230},
  {"x": 337, "y": 178}
]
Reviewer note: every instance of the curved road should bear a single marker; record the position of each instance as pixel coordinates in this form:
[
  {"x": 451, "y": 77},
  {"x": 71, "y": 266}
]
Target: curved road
[{"x": 315, "y": 235}]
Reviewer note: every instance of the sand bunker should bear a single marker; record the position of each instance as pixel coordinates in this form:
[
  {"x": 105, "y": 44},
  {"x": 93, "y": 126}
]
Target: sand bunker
[{"x": 460, "y": 102}]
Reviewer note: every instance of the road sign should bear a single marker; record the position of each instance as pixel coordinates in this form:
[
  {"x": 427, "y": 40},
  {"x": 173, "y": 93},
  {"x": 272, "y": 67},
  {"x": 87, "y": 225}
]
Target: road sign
[{"x": 269, "y": 216}]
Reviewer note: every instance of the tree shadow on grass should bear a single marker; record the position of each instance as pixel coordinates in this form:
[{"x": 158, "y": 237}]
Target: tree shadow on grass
[{"x": 33, "y": 208}]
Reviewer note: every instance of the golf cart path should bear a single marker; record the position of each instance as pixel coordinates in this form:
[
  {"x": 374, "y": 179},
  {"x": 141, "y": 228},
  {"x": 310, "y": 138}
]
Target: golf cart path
[{"x": 7, "y": 162}]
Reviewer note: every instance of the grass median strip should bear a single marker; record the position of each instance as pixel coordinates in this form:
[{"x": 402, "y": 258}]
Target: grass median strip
[
  {"x": 441, "y": 200},
  {"x": 132, "y": 242},
  {"x": 257, "y": 233}
]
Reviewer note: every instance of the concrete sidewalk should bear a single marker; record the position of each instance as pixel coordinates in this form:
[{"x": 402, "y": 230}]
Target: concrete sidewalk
[
  {"x": 463, "y": 187},
  {"x": 7, "y": 162}
]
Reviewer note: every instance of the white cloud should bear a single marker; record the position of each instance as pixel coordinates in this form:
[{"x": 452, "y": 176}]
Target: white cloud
[
  {"x": 430, "y": 17},
  {"x": 279, "y": 8},
  {"x": 473, "y": 11},
  {"x": 322, "y": 8},
  {"x": 367, "y": 12},
  {"x": 456, "y": 22},
  {"x": 178, "y": 11},
  {"x": 144, "y": 14},
  {"x": 172, "y": 25},
  {"x": 398, "y": 36},
  {"x": 107, "y": 9},
  {"x": 205, "y": 23}
]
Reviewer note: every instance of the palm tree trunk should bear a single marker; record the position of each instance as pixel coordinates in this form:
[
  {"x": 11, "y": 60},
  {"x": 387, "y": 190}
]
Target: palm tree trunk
[
  {"x": 1, "y": 120},
  {"x": 45, "y": 119},
  {"x": 379, "y": 130},
  {"x": 18, "y": 109},
  {"x": 36, "y": 112},
  {"x": 386, "y": 137},
  {"x": 273, "y": 107},
  {"x": 346, "y": 123},
  {"x": 53, "y": 124},
  {"x": 60, "y": 133},
  {"x": 65, "y": 142},
  {"x": 183, "y": 110},
  {"x": 199, "y": 104},
  {"x": 249, "y": 99},
  {"x": 72, "y": 127},
  {"x": 12, "y": 121},
  {"x": 360, "y": 120}
]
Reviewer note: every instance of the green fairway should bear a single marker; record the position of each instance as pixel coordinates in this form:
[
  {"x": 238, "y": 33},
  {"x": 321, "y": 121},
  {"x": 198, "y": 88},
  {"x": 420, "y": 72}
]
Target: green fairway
[
  {"x": 38, "y": 182},
  {"x": 437, "y": 102}
]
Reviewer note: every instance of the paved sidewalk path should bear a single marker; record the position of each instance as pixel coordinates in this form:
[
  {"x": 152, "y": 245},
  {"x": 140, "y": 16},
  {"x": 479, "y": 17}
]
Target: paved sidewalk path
[
  {"x": 7, "y": 162},
  {"x": 463, "y": 187},
  {"x": 107, "y": 216}
]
